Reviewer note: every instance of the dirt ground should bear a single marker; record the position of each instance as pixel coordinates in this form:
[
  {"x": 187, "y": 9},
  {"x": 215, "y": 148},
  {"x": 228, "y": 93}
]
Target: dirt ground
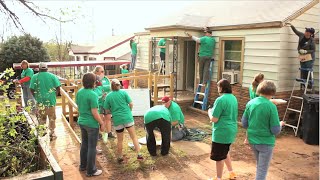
[{"x": 293, "y": 159}]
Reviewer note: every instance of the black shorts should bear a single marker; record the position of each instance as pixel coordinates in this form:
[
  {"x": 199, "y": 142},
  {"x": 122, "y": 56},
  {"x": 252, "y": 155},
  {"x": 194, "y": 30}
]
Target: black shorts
[
  {"x": 162, "y": 56},
  {"x": 219, "y": 151}
]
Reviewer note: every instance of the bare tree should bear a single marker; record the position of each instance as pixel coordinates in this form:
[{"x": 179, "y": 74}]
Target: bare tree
[{"x": 31, "y": 7}]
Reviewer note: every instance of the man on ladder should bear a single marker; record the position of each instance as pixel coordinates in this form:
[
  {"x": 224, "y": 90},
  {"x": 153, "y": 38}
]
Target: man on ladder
[
  {"x": 162, "y": 46},
  {"x": 306, "y": 50},
  {"x": 207, "y": 45}
]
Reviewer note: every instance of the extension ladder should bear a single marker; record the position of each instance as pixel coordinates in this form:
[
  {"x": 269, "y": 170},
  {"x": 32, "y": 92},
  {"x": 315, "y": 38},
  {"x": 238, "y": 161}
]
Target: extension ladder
[
  {"x": 205, "y": 94},
  {"x": 304, "y": 82}
]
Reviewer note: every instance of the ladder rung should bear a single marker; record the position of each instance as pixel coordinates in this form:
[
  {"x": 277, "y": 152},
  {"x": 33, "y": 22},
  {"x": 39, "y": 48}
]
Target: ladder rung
[
  {"x": 201, "y": 93},
  {"x": 294, "y": 110},
  {"x": 292, "y": 126},
  {"x": 199, "y": 102},
  {"x": 301, "y": 80},
  {"x": 298, "y": 97},
  {"x": 200, "y": 84}
]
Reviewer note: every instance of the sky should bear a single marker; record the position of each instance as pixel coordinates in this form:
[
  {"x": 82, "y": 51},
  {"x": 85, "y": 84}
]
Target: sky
[{"x": 95, "y": 19}]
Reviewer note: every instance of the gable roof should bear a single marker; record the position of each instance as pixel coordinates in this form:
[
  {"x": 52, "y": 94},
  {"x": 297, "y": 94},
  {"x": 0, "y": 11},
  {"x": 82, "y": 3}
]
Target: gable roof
[
  {"x": 76, "y": 49},
  {"x": 223, "y": 14},
  {"x": 112, "y": 47}
]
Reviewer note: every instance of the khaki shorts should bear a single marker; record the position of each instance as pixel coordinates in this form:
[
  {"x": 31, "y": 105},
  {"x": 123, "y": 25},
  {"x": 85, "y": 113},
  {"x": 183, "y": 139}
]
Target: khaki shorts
[{"x": 50, "y": 112}]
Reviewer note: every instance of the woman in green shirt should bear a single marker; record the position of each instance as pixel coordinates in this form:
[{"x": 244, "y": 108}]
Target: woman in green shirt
[
  {"x": 119, "y": 103},
  {"x": 261, "y": 120},
  {"x": 258, "y": 78},
  {"x": 223, "y": 115},
  {"x": 89, "y": 121},
  {"x": 125, "y": 70},
  {"x": 103, "y": 88}
]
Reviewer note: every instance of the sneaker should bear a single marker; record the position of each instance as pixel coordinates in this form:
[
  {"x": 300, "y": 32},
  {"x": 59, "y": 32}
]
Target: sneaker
[
  {"x": 110, "y": 135},
  {"x": 99, "y": 151},
  {"x": 120, "y": 160},
  {"x": 139, "y": 157},
  {"x": 97, "y": 173},
  {"x": 232, "y": 175},
  {"x": 100, "y": 136}
]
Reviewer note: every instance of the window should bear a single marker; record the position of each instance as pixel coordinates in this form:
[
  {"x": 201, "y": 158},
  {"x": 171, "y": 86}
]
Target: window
[{"x": 232, "y": 55}]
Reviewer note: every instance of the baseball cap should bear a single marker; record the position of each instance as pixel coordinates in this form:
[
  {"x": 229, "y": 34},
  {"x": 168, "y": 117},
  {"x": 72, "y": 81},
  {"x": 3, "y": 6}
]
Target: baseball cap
[
  {"x": 310, "y": 30},
  {"x": 165, "y": 99},
  {"x": 43, "y": 65},
  {"x": 115, "y": 81}
]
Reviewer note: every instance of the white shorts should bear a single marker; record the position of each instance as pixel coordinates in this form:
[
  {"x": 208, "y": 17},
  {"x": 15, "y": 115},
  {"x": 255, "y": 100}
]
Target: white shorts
[{"x": 120, "y": 128}]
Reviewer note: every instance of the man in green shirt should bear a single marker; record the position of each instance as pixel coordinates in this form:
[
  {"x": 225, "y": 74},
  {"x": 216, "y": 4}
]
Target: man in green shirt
[
  {"x": 134, "y": 50},
  {"x": 26, "y": 76},
  {"x": 162, "y": 46},
  {"x": 178, "y": 129},
  {"x": 207, "y": 45},
  {"x": 158, "y": 116},
  {"x": 44, "y": 86}
]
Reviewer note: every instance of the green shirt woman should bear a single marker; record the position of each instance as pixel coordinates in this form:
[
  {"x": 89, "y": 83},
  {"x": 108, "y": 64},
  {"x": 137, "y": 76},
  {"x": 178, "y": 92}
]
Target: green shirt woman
[{"x": 223, "y": 115}]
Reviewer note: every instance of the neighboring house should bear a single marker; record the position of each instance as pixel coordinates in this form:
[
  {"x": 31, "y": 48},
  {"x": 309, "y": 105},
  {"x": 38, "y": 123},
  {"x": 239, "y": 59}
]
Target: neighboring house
[
  {"x": 250, "y": 38},
  {"x": 112, "y": 48}
]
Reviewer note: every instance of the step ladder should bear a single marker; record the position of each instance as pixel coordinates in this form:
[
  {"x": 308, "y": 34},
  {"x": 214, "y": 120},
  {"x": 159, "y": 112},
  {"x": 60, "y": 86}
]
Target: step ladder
[
  {"x": 205, "y": 94},
  {"x": 304, "y": 82},
  {"x": 162, "y": 67}
]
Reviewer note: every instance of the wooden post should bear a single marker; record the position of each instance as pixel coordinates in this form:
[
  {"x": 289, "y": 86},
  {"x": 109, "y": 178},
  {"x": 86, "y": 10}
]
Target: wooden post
[
  {"x": 150, "y": 81},
  {"x": 155, "y": 89},
  {"x": 135, "y": 82},
  {"x": 171, "y": 85},
  {"x": 70, "y": 111},
  {"x": 63, "y": 102}
]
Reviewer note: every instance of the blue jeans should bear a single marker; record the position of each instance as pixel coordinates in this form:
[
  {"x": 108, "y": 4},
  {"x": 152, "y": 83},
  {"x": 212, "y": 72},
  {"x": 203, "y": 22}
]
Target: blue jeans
[
  {"x": 27, "y": 96},
  {"x": 178, "y": 134},
  {"x": 89, "y": 139},
  {"x": 133, "y": 61},
  {"x": 263, "y": 154}
]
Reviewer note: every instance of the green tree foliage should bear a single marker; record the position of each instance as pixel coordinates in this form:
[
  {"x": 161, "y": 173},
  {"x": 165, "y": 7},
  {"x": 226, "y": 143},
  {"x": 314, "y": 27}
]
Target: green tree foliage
[
  {"x": 18, "y": 48},
  {"x": 56, "y": 51}
]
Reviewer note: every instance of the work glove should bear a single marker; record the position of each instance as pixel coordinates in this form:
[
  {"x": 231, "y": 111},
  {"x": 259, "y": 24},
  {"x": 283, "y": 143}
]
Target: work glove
[{"x": 302, "y": 51}]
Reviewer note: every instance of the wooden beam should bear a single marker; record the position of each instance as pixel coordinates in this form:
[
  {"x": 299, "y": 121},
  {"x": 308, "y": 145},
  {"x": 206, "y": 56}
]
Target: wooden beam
[
  {"x": 171, "y": 85},
  {"x": 155, "y": 93}
]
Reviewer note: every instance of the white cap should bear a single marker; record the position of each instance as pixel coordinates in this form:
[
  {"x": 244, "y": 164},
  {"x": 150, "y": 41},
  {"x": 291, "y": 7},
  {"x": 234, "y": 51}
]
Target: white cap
[
  {"x": 43, "y": 65},
  {"x": 115, "y": 81}
]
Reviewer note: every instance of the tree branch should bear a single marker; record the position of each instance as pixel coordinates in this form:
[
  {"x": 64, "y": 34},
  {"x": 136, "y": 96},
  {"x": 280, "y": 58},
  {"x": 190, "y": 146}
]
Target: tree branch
[{"x": 12, "y": 15}]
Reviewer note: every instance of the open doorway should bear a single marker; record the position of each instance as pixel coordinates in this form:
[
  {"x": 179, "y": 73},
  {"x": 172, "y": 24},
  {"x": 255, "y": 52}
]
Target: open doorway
[{"x": 189, "y": 62}]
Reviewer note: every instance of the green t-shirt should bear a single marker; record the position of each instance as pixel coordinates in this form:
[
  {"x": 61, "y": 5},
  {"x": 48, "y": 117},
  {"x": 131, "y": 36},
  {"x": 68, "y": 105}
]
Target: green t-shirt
[
  {"x": 157, "y": 112},
  {"x": 262, "y": 115},
  {"x": 225, "y": 108},
  {"x": 106, "y": 85},
  {"x": 118, "y": 103},
  {"x": 252, "y": 93},
  {"x": 99, "y": 92},
  {"x": 27, "y": 72},
  {"x": 176, "y": 113},
  {"x": 162, "y": 42},
  {"x": 86, "y": 100},
  {"x": 207, "y": 45},
  {"x": 124, "y": 71},
  {"x": 134, "y": 48},
  {"x": 44, "y": 85}
]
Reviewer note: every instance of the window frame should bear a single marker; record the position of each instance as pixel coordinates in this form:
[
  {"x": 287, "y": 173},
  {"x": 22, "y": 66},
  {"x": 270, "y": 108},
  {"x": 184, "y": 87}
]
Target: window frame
[{"x": 221, "y": 55}]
